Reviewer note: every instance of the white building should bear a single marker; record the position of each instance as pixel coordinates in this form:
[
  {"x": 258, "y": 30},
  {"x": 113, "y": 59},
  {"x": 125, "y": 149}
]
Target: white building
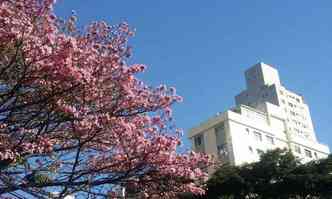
[{"x": 266, "y": 116}]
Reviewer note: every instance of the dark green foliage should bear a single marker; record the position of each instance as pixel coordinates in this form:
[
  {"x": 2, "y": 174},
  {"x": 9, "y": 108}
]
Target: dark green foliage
[{"x": 278, "y": 175}]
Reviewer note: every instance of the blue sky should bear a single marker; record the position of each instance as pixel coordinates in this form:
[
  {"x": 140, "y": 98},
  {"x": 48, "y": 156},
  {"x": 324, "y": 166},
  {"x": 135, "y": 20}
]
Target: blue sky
[{"x": 203, "y": 47}]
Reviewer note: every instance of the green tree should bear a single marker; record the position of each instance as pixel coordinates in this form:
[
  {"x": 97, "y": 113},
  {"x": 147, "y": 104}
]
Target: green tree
[{"x": 278, "y": 174}]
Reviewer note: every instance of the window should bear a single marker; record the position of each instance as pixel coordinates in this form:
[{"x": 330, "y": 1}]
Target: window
[
  {"x": 251, "y": 150},
  {"x": 281, "y": 92},
  {"x": 247, "y": 130},
  {"x": 298, "y": 100},
  {"x": 222, "y": 150},
  {"x": 316, "y": 156},
  {"x": 290, "y": 96},
  {"x": 308, "y": 153},
  {"x": 293, "y": 113},
  {"x": 258, "y": 136},
  {"x": 198, "y": 140},
  {"x": 297, "y": 149},
  {"x": 270, "y": 140},
  {"x": 220, "y": 133},
  {"x": 283, "y": 101},
  {"x": 290, "y": 104},
  {"x": 297, "y": 122}
]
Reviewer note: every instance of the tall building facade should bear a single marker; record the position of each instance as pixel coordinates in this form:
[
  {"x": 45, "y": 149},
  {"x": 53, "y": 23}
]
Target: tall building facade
[{"x": 266, "y": 116}]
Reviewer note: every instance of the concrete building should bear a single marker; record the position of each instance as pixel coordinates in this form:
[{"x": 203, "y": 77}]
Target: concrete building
[{"x": 266, "y": 116}]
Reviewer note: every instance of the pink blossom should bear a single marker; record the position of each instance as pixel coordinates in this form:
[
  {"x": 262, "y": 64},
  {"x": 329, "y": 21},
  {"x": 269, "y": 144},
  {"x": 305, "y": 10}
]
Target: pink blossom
[{"x": 84, "y": 84}]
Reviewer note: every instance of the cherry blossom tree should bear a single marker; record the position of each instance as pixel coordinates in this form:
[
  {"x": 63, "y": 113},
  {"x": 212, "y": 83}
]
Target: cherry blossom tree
[{"x": 74, "y": 118}]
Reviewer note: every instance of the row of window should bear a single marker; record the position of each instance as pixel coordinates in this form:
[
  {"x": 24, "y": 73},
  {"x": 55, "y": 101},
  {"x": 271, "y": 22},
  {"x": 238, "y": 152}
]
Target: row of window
[
  {"x": 198, "y": 141},
  {"x": 259, "y": 137},
  {"x": 299, "y": 131},
  {"x": 307, "y": 152},
  {"x": 302, "y": 134},
  {"x": 293, "y": 110},
  {"x": 294, "y": 105},
  {"x": 293, "y": 113},
  {"x": 296, "y": 114},
  {"x": 300, "y": 124},
  {"x": 291, "y": 96},
  {"x": 297, "y": 149}
]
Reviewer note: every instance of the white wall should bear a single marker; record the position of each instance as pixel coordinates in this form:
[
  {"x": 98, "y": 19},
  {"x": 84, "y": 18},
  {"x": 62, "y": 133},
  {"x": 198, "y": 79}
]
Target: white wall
[{"x": 242, "y": 131}]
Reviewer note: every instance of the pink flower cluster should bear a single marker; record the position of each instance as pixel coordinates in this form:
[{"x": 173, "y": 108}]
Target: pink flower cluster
[{"x": 122, "y": 124}]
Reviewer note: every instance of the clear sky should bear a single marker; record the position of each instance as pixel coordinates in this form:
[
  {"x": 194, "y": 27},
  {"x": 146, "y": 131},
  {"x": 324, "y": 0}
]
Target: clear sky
[{"x": 203, "y": 47}]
